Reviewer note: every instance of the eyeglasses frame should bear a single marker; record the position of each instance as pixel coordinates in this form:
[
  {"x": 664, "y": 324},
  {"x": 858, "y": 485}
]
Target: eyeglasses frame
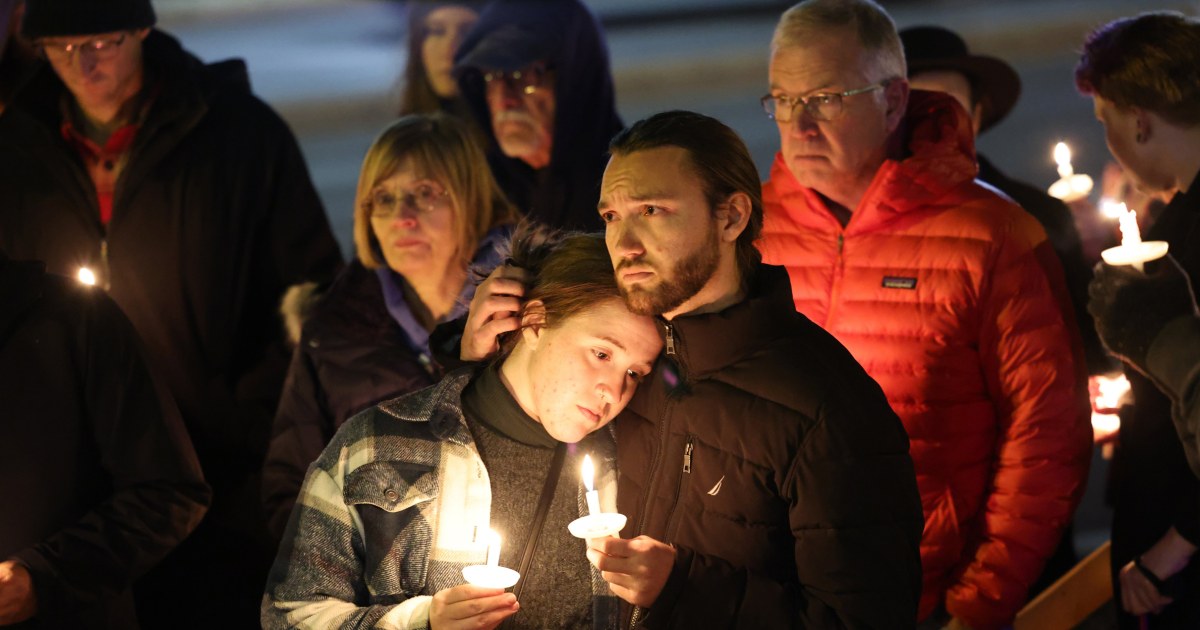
[
  {"x": 805, "y": 100},
  {"x": 408, "y": 200},
  {"x": 67, "y": 52}
]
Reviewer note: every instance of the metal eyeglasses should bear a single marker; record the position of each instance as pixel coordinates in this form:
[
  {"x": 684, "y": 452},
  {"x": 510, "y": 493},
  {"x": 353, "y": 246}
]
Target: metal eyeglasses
[
  {"x": 822, "y": 106},
  {"x": 98, "y": 48},
  {"x": 425, "y": 199},
  {"x": 524, "y": 81}
]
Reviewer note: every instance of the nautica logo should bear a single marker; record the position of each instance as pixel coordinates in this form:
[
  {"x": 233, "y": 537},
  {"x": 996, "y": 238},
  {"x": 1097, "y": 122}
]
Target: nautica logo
[{"x": 717, "y": 488}]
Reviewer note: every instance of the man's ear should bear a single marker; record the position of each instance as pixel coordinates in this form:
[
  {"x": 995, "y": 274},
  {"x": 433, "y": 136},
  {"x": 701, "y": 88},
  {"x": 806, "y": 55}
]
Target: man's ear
[
  {"x": 895, "y": 94},
  {"x": 734, "y": 216},
  {"x": 533, "y": 319}
]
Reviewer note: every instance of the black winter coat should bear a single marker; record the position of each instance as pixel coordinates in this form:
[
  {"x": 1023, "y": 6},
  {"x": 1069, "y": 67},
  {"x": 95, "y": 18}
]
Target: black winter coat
[
  {"x": 1152, "y": 487},
  {"x": 98, "y": 480},
  {"x": 564, "y": 193},
  {"x": 351, "y": 355},
  {"x": 214, "y": 216},
  {"x": 773, "y": 463}
]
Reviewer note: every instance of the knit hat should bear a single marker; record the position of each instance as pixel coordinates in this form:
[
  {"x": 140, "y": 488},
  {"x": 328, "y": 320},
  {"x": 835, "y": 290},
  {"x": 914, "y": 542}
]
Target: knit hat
[{"x": 49, "y": 18}]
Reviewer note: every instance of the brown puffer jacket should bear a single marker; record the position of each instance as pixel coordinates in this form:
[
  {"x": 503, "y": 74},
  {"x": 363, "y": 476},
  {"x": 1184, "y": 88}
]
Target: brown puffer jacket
[{"x": 773, "y": 463}]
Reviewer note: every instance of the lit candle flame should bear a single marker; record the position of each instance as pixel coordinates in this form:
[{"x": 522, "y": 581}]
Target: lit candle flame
[
  {"x": 493, "y": 548},
  {"x": 1130, "y": 233},
  {"x": 86, "y": 276},
  {"x": 1110, "y": 392},
  {"x": 1062, "y": 157},
  {"x": 588, "y": 473},
  {"x": 1111, "y": 209}
]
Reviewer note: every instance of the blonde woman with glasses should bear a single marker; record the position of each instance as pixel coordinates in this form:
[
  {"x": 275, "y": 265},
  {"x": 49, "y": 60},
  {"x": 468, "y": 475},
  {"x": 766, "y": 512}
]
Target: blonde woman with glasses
[{"x": 427, "y": 215}]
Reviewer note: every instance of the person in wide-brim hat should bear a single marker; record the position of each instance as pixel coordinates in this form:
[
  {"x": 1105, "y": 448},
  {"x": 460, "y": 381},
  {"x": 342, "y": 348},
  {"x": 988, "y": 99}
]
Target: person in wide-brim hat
[{"x": 995, "y": 86}]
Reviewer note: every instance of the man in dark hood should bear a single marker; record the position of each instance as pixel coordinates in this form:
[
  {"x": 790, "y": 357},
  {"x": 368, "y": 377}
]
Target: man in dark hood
[{"x": 535, "y": 74}]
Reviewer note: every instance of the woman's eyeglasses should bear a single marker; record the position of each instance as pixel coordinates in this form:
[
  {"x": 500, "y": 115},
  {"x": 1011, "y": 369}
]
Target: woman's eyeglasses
[{"x": 425, "y": 199}]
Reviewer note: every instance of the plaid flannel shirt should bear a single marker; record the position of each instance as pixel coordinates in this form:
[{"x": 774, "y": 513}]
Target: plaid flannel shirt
[{"x": 391, "y": 512}]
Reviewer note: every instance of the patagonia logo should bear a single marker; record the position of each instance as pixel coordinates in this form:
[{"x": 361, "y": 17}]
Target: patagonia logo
[{"x": 899, "y": 282}]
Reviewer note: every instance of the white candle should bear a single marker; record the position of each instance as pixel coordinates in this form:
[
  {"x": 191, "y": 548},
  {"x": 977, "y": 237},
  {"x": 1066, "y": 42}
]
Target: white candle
[
  {"x": 86, "y": 276},
  {"x": 493, "y": 548},
  {"x": 593, "y": 497},
  {"x": 1062, "y": 156}
]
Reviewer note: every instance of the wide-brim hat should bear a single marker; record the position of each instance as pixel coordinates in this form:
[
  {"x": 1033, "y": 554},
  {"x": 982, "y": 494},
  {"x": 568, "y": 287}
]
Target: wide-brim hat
[
  {"x": 58, "y": 18},
  {"x": 997, "y": 86}
]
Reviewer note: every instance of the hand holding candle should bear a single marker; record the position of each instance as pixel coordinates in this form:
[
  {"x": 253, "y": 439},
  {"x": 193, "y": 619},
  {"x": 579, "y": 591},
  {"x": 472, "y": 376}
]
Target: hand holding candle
[{"x": 597, "y": 524}]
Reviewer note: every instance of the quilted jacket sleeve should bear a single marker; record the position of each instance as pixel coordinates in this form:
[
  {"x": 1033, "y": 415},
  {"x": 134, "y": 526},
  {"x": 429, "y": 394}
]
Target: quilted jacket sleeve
[
  {"x": 1027, "y": 353},
  {"x": 317, "y": 579}
]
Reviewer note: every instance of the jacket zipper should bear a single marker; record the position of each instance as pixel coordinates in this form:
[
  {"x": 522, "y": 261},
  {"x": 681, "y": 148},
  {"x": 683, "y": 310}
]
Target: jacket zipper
[
  {"x": 685, "y": 475},
  {"x": 105, "y": 276},
  {"x": 670, "y": 339},
  {"x": 835, "y": 290}
]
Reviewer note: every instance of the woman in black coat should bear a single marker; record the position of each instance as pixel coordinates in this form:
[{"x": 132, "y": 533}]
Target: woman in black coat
[{"x": 427, "y": 216}]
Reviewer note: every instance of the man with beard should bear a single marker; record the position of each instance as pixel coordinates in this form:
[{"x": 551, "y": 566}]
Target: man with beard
[
  {"x": 765, "y": 478},
  {"x": 536, "y": 75},
  {"x": 942, "y": 289}
]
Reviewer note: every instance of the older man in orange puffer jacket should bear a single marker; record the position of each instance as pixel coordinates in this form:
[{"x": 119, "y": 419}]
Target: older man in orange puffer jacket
[{"x": 947, "y": 293}]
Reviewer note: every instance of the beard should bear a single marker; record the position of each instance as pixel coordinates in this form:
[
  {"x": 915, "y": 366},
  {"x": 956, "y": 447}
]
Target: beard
[{"x": 688, "y": 276}]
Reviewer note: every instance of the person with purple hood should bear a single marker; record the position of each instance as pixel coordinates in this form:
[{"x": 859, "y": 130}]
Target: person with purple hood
[{"x": 535, "y": 75}]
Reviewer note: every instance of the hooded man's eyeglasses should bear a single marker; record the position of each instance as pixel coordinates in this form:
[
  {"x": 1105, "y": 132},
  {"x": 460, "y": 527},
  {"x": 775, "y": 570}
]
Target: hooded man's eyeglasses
[{"x": 524, "y": 81}]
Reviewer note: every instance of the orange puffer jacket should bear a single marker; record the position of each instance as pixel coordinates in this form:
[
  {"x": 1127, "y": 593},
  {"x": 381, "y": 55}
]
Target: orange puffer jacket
[{"x": 941, "y": 288}]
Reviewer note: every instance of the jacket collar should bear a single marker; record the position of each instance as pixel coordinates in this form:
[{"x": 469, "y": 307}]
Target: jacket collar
[
  {"x": 711, "y": 342},
  {"x": 939, "y": 156},
  {"x": 441, "y": 409}
]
